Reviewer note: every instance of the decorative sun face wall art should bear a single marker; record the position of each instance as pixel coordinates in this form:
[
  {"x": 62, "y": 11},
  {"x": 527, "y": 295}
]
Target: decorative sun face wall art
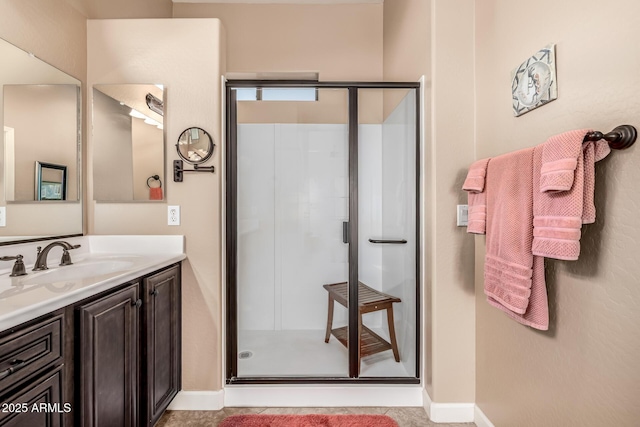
[{"x": 533, "y": 83}]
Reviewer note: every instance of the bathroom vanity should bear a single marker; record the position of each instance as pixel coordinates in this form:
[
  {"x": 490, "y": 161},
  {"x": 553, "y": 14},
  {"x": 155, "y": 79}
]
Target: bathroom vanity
[{"x": 108, "y": 350}]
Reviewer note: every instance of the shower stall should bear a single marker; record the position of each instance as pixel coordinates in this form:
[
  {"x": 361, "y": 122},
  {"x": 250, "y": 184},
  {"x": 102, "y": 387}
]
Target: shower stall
[{"x": 322, "y": 232}]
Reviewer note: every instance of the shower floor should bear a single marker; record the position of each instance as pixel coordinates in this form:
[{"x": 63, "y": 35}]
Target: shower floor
[{"x": 304, "y": 353}]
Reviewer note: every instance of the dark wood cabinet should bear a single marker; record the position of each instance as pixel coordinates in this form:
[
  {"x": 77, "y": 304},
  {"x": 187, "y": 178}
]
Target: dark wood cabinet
[
  {"x": 108, "y": 359},
  {"x": 111, "y": 360},
  {"x": 161, "y": 350}
]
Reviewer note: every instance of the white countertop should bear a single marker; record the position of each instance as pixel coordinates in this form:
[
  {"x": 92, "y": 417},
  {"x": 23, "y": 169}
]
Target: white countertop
[{"x": 101, "y": 263}]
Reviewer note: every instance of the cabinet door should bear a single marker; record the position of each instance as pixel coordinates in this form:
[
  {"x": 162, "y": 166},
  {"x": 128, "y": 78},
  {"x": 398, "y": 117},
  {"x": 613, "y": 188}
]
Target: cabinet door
[
  {"x": 36, "y": 405},
  {"x": 108, "y": 359},
  {"x": 161, "y": 345}
]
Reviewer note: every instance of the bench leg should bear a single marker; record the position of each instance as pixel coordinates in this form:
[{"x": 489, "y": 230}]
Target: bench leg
[
  {"x": 327, "y": 335},
  {"x": 392, "y": 334}
]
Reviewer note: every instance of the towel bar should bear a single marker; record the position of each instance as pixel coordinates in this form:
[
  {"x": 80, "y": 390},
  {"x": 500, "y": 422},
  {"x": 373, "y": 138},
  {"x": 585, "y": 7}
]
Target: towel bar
[{"x": 620, "y": 138}]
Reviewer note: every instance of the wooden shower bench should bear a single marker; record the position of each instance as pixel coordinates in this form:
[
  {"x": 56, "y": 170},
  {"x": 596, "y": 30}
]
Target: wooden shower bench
[{"x": 369, "y": 300}]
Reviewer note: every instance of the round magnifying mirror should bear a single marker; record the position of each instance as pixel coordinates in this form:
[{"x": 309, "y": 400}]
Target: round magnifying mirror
[{"x": 195, "y": 145}]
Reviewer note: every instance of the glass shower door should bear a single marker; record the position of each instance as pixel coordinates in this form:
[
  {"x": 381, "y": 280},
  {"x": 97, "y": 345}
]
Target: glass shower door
[
  {"x": 387, "y": 232},
  {"x": 292, "y": 200}
]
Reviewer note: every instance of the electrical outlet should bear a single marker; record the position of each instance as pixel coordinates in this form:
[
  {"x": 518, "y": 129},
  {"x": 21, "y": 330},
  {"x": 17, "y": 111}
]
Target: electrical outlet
[
  {"x": 173, "y": 215},
  {"x": 462, "y": 218},
  {"x": 3, "y": 216}
]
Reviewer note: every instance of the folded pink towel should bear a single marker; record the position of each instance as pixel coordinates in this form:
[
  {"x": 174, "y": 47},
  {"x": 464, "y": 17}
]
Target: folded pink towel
[
  {"x": 564, "y": 200},
  {"x": 509, "y": 261},
  {"x": 475, "y": 180},
  {"x": 474, "y": 184},
  {"x": 560, "y": 159}
]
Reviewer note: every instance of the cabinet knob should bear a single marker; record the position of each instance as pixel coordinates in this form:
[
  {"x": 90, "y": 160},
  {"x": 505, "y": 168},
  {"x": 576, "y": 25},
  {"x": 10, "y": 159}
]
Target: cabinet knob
[
  {"x": 154, "y": 292},
  {"x": 137, "y": 303}
]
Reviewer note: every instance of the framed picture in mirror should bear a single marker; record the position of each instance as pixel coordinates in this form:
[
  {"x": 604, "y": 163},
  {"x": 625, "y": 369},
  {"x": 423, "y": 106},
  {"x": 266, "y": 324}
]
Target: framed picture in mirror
[{"x": 51, "y": 181}]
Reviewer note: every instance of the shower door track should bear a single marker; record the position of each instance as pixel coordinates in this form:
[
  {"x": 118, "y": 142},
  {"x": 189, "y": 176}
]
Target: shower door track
[{"x": 231, "y": 332}]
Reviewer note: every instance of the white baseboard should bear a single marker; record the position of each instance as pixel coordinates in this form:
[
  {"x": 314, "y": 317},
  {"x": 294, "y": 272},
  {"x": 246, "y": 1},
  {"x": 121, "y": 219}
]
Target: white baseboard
[
  {"x": 198, "y": 401},
  {"x": 448, "y": 412},
  {"x": 481, "y": 419},
  {"x": 322, "y": 396},
  {"x": 233, "y": 396}
]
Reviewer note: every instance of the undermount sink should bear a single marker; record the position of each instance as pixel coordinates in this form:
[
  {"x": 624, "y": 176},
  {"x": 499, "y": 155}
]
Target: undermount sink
[{"x": 76, "y": 271}]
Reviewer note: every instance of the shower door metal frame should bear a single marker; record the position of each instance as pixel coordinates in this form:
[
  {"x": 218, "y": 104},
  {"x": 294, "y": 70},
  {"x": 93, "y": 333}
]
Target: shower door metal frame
[{"x": 231, "y": 333}]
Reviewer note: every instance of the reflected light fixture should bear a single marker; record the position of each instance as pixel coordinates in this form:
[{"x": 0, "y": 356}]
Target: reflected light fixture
[
  {"x": 137, "y": 114},
  {"x": 148, "y": 120},
  {"x": 155, "y": 104}
]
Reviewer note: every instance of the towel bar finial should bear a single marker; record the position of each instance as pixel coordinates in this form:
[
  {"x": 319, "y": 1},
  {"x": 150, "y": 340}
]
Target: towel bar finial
[{"x": 623, "y": 136}]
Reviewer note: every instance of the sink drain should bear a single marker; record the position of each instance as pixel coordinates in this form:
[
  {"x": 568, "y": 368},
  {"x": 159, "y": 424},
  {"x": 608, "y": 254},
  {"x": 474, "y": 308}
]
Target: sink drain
[{"x": 245, "y": 354}]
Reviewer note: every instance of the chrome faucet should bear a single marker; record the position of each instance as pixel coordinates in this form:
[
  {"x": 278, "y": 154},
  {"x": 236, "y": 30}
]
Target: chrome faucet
[{"x": 41, "y": 257}]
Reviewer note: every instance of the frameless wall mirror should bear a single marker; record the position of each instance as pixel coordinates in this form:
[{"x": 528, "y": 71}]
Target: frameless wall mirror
[
  {"x": 41, "y": 121},
  {"x": 195, "y": 146},
  {"x": 128, "y": 142}
]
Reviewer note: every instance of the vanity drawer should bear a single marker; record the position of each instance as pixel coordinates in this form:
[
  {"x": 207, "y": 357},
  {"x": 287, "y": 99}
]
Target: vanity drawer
[
  {"x": 38, "y": 405},
  {"x": 26, "y": 352}
]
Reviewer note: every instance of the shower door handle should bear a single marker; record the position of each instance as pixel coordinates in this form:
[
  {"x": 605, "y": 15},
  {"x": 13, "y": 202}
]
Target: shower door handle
[
  {"x": 345, "y": 231},
  {"x": 389, "y": 241}
]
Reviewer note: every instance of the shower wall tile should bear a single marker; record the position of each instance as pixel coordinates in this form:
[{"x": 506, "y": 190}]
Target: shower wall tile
[
  {"x": 293, "y": 198},
  {"x": 312, "y": 250},
  {"x": 256, "y": 227},
  {"x": 370, "y": 211}
]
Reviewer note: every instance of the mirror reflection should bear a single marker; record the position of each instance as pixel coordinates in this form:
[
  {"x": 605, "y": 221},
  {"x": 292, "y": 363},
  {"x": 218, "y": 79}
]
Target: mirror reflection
[
  {"x": 40, "y": 113},
  {"x": 195, "y": 145},
  {"x": 128, "y": 141},
  {"x": 43, "y": 123}
]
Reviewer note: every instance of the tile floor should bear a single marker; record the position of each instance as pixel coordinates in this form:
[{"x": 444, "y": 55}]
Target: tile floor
[{"x": 405, "y": 417}]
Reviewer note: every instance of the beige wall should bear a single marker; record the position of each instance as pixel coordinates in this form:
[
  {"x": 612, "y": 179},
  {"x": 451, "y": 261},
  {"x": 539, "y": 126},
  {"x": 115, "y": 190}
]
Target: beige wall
[
  {"x": 420, "y": 39},
  {"x": 584, "y": 370},
  {"x": 53, "y": 30},
  {"x": 341, "y": 42},
  {"x": 120, "y": 51}
]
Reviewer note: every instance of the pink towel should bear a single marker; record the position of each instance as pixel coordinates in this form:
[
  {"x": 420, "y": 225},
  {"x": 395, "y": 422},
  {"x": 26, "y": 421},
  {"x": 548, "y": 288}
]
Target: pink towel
[
  {"x": 537, "y": 314},
  {"x": 513, "y": 278},
  {"x": 593, "y": 152},
  {"x": 474, "y": 184},
  {"x": 475, "y": 180},
  {"x": 563, "y": 199},
  {"x": 509, "y": 261},
  {"x": 500, "y": 275},
  {"x": 560, "y": 160}
]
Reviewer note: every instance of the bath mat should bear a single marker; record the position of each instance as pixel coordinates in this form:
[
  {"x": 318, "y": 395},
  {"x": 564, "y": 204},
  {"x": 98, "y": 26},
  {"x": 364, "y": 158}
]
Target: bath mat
[{"x": 311, "y": 420}]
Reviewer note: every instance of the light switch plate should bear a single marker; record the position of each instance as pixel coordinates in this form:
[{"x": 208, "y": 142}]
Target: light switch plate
[
  {"x": 173, "y": 215},
  {"x": 462, "y": 217},
  {"x": 3, "y": 216}
]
